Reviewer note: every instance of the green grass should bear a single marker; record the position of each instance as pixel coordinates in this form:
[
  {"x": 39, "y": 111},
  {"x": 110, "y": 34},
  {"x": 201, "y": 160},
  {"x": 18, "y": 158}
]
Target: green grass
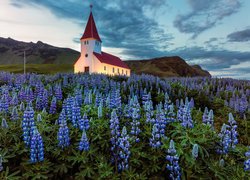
[{"x": 38, "y": 68}]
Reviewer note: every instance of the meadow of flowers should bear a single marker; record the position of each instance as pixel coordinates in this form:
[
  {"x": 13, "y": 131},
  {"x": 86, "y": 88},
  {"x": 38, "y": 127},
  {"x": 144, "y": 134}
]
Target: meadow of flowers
[{"x": 80, "y": 126}]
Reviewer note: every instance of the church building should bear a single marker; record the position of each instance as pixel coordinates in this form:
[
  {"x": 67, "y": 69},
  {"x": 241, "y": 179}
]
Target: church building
[{"x": 93, "y": 59}]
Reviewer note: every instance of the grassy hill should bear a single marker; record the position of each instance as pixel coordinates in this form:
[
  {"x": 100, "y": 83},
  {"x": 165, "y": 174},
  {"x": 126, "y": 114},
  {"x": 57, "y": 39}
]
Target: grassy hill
[{"x": 44, "y": 58}]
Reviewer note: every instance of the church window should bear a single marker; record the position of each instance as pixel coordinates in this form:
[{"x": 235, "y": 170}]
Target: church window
[
  {"x": 104, "y": 68},
  {"x": 122, "y": 71},
  {"x": 113, "y": 70},
  {"x": 118, "y": 70},
  {"x": 126, "y": 73}
]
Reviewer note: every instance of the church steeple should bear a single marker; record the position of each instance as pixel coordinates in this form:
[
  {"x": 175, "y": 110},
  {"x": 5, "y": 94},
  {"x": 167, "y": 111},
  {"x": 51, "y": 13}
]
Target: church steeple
[{"x": 91, "y": 30}]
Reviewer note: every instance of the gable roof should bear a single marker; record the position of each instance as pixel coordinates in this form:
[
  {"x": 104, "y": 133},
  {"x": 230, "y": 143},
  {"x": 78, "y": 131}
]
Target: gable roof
[
  {"x": 91, "y": 30},
  {"x": 110, "y": 59}
]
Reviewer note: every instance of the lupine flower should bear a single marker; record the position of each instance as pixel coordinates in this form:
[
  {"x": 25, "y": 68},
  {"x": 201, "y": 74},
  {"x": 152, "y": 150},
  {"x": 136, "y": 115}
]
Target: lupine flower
[
  {"x": 161, "y": 121},
  {"x": 62, "y": 117},
  {"x": 75, "y": 114},
  {"x": 52, "y": 109},
  {"x": 100, "y": 111},
  {"x": 205, "y": 116},
  {"x": 36, "y": 147},
  {"x": 154, "y": 141},
  {"x": 224, "y": 140},
  {"x": 115, "y": 134},
  {"x": 247, "y": 162},
  {"x": 195, "y": 151},
  {"x": 170, "y": 114},
  {"x": 233, "y": 131},
  {"x": 39, "y": 117},
  {"x": 63, "y": 134},
  {"x": 180, "y": 111},
  {"x": 22, "y": 106},
  {"x": 86, "y": 122},
  {"x": 167, "y": 102},
  {"x": 222, "y": 163},
  {"x": 28, "y": 125},
  {"x": 58, "y": 92},
  {"x": 14, "y": 114},
  {"x": 173, "y": 165},
  {"x": 123, "y": 148},
  {"x": 1, "y": 163},
  {"x": 135, "y": 130},
  {"x": 4, "y": 123},
  {"x": 187, "y": 121},
  {"x": 84, "y": 143}
]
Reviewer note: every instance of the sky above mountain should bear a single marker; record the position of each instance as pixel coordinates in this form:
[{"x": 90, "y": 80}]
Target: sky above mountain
[{"x": 212, "y": 33}]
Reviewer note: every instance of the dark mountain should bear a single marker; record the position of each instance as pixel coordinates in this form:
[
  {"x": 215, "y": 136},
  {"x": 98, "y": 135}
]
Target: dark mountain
[
  {"x": 11, "y": 52},
  {"x": 166, "y": 67}
]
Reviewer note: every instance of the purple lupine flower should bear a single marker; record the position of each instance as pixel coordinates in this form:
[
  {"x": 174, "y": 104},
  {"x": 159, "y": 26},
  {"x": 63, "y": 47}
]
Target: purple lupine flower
[
  {"x": 161, "y": 120},
  {"x": 233, "y": 131},
  {"x": 84, "y": 143},
  {"x": 195, "y": 151},
  {"x": 1, "y": 163},
  {"x": 123, "y": 150},
  {"x": 100, "y": 111},
  {"x": 36, "y": 147},
  {"x": 63, "y": 134},
  {"x": 58, "y": 92},
  {"x": 39, "y": 118},
  {"x": 22, "y": 106},
  {"x": 62, "y": 117},
  {"x": 75, "y": 114},
  {"x": 115, "y": 134},
  {"x": 14, "y": 114},
  {"x": 167, "y": 102},
  {"x": 247, "y": 162},
  {"x": 170, "y": 114},
  {"x": 28, "y": 125},
  {"x": 52, "y": 109},
  {"x": 86, "y": 122},
  {"x": 135, "y": 129},
  {"x": 154, "y": 141},
  {"x": 4, "y": 124},
  {"x": 173, "y": 162},
  {"x": 180, "y": 111},
  {"x": 205, "y": 116},
  {"x": 225, "y": 140},
  {"x": 187, "y": 121}
]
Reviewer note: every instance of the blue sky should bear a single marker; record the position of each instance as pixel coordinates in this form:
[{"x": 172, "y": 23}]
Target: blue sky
[{"x": 212, "y": 33}]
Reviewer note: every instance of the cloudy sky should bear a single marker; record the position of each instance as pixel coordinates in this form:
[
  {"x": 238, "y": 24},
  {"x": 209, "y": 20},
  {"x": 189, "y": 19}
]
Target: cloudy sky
[{"x": 212, "y": 33}]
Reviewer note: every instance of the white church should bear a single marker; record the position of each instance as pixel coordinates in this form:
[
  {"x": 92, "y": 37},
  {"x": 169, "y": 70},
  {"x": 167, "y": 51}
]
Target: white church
[{"x": 93, "y": 59}]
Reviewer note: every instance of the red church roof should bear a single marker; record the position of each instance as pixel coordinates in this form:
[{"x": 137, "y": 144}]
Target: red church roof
[
  {"x": 110, "y": 59},
  {"x": 91, "y": 30}
]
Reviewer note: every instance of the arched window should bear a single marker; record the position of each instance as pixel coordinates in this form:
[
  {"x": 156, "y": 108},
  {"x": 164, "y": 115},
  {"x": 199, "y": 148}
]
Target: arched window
[{"x": 113, "y": 70}]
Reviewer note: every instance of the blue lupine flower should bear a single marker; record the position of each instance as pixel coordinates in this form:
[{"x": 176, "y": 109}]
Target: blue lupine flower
[
  {"x": 84, "y": 143},
  {"x": 154, "y": 141},
  {"x": 115, "y": 134},
  {"x": 4, "y": 123},
  {"x": 180, "y": 111},
  {"x": 225, "y": 140},
  {"x": 28, "y": 125},
  {"x": 173, "y": 165},
  {"x": 75, "y": 114},
  {"x": 123, "y": 148},
  {"x": 195, "y": 151},
  {"x": 222, "y": 163},
  {"x": 58, "y": 92},
  {"x": 52, "y": 109},
  {"x": 161, "y": 121},
  {"x": 170, "y": 114},
  {"x": 135, "y": 130},
  {"x": 62, "y": 117},
  {"x": 233, "y": 131},
  {"x": 39, "y": 117},
  {"x": 1, "y": 163},
  {"x": 100, "y": 111},
  {"x": 167, "y": 102},
  {"x": 187, "y": 121},
  {"x": 247, "y": 162},
  {"x": 86, "y": 122},
  {"x": 63, "y": 134},
  {"x": 36, "y": 147},
  {"x": 22, "y": 106},
  {"x": 14, "y": 114}
]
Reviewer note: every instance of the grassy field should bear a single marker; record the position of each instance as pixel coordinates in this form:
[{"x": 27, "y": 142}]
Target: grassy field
[{"x": 38, "y": 68}]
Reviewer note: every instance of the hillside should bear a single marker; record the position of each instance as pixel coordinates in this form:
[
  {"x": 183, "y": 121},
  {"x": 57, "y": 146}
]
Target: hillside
[
  {"x": 11, "y": 54},
  {"x": 166, "y": 66}
]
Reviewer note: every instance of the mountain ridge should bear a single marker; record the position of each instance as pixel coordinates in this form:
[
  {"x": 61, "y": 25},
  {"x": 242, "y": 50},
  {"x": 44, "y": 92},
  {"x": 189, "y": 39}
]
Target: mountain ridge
[{"x": 11, "y": 52}]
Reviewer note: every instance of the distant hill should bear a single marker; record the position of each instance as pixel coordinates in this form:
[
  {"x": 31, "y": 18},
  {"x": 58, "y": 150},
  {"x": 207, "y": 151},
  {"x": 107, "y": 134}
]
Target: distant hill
[
  {"x": 166, "y": 67},
  {"x": 11, "y": 53}
]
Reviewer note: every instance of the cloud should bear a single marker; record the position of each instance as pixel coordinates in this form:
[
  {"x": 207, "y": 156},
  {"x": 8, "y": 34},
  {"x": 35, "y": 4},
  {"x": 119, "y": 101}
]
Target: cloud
[
  {"x": 204, "y": 15},
  {"x": 214, "y": 59},
  {"x": 121, "y": 24},
  {"x": 240, "y": 36}
]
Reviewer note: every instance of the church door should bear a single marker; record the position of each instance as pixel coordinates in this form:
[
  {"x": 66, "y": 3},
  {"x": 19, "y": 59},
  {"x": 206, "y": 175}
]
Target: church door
[{"x": 86, "y": 69}]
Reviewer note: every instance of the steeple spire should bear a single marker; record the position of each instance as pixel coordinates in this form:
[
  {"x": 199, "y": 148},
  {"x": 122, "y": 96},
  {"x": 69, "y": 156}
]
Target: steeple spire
[{"x": 91, "y": 30}]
